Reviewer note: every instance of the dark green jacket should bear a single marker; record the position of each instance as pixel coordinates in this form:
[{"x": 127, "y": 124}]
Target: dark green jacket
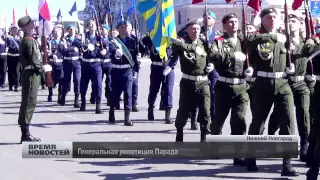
[{"x": 30, "y": 53}]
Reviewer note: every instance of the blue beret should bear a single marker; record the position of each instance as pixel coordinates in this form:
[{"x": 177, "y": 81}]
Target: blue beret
[
  {"x": 106, "y": 26},
  {"x": 70, "y": 26},
  {"x": 122, "y": 23},
  {"x": 211, "y": 14}
]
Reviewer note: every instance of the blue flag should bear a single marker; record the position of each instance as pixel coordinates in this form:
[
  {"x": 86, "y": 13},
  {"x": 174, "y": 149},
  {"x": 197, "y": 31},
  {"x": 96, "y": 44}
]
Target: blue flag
[
  {"x": 108, "y": 10},
  {"x": 132, "y": 8},
  {"x": 73, "y": 9},
  {"x": 59, "y": 16},
  {"x": 121, "y": 18}
]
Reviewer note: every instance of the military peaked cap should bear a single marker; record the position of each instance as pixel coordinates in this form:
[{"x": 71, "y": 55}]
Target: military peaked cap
[
  {"x": 24, "y": 21},
  {"x": 228, "y": 16},
  {"x": 192, "y": 23},
  {"x": 267, "y": 11},
  {"x": 293, "y": 16}
]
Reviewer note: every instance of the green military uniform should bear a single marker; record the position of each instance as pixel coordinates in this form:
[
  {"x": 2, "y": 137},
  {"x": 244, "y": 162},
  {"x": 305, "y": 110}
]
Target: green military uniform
[
  {"x": 194, "y": 86},
  {"x": 30, "y": 59},
  {"x": 269, "y": 61}
]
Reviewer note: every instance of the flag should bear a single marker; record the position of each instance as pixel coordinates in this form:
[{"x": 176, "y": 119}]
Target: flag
[
  {"x": 132, "y": 8},
  {"x": 73, "y": 9},
  {"x": 13, "y": 17},
  {"x": 91, "y": 5},
  {"x": 26, "y": 11},
  {"x": 255, "y": 5},
  {"x": 120, "y": 17},
  {"x": 108, "y": 10},
  {"x": 44, "y": 12},
  {"x": 296, "y": 4},
  {"x": 159, "y": 16},
  {"x": 196, "y": 1},
  {"x": 59, "y": 16}
]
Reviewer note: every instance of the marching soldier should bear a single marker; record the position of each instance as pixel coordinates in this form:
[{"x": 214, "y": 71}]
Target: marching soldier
[
  {"x": 56, "y": 58},
  {"x": 124, "y": 64},
  {"x": 106, "y": 62},
  {"x": 3, "y": 59},
  {"x": 160, "y": 76},
  {"x": 194, "y": 85},
  {"x": 71, "y": 65},
  {"x": 32, "y": 68},
  {"x": 268, "y": 57},
  {"x": 231, "y": 89},
  {"x": 13, "y": 44},
  {"x": 91, "y": 67}
]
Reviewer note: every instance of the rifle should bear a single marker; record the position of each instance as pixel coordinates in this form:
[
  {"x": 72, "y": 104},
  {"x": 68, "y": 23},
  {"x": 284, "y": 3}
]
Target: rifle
[
  {"x": 95, "y": 17},
  {"x": 136, "y": 23},
  {"x": 45, "y": 61},
  {"x": 309, "y": 28},
  {"x": 245, "y": 35},
  {"x": 286, "y": 25}
]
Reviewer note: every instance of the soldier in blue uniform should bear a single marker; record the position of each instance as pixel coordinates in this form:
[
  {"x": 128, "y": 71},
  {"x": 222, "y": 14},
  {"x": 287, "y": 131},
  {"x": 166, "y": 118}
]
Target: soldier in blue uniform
[
  {"x": 106, "y": 62},
  {"x": 161, "y": 74},
  {"x": 56, "y": 47},
  {"x": 3, "y": 59},
  {"x": 71, "y": 64},
  {"x": 91, "y": 67},
  {"x": 124, "y": 64},
  {"x": 13, "y": 58}
]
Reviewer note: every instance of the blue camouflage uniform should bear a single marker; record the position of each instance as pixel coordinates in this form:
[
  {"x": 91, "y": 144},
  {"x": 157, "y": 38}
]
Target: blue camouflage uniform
[
  {"x": 71, "y": 64},
  {"x": 157, "y": 79},
  {"x": 91, "y": 70},
  {"x": 3, "y": 63},
  {"x": 55, "y": 59},
  {"x": 123, "y": 68},
  {"x": 13, "y": 59}
]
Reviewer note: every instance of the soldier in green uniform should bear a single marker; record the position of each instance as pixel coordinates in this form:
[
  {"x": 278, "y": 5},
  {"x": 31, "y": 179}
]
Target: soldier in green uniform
[
  {"x": 301, "y": 93},
  {"x": 32, "y": 68},
  {"x": 268, "y": 58},
  {"x": 194, "y": 85},
  {"x": 231, "y": 89}
]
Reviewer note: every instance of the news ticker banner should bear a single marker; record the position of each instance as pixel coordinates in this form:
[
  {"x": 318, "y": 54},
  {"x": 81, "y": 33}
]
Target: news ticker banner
[{"x": 216, "y": 147}]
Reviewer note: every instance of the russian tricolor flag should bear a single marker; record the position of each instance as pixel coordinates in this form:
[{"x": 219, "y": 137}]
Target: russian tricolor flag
[{"x": 44, "y": 18}]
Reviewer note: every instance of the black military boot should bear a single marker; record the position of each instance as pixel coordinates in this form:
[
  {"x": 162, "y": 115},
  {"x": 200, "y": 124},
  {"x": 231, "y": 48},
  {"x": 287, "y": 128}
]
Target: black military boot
[
  {"x": 92, "y": 99},
  {"x": 112, "y": 119},
  {"x": 239, "y": 162},
  {"x": 43, "y": 87},
  {"x": 98, "y": 109},
  {"x": 303, "y": 149},
  {"x": 50, "y": 95},
  {"x": 25, "y": 134},
  {"x": 168, "y": 116},
  {"x": 135, "y": 107},
  {"x": 194, "y": 125},
  {"x": 16, "y": 88},
  {"x": 127, "y": 121},
  {"x": 62, "y": 100},
  {"x": 59, "y": 93},
  {"x": 76, "y": 101},
  {"x": 252, "y": 165},
  {"x": 287, "y": 169},
  {"x": 161, "y": 107},
  {"x": 83, "y": 103},
  {"x": 179, "y": 136},
  {"x": 151, "y": 113},
  {"x": 10, "y": 88}
]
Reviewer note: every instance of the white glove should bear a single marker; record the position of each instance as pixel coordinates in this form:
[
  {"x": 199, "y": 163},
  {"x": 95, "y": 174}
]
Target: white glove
[
  {"x": 103, "y": 52},
  {"x": 47, "y": 68},
  {"x": 311, "y": 77},
  {"x": 210, "y": 67},
  {"x": 2, "y": 41},
  {"x": 90, "y": 47},
  {"x": 248, "y": 72},
  {"x": 200, "y": 20},
  {"x": 199, "y": 50},
  {"x": 292, "y": 47},
  {"x": 239, "y": 56},
  {"x": 167, "y": 70},
  {"x": 291, "y": 69},
  {"x": 75, "y": 49},
  {"x": 54, "y": 57},
  {"x": 139, "y": 56},
  {"x": 281, "y": 38},
  {"x": 119, "y": 52}
]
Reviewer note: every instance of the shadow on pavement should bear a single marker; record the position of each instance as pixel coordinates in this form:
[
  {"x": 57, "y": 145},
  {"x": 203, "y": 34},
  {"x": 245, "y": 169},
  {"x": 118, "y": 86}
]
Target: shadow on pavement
[
  {"x": 9, "y": 144},
  {"x": 131, "y": 132}
]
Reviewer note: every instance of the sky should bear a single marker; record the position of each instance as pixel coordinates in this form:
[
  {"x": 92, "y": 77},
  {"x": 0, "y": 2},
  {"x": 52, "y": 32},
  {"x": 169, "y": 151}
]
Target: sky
[{"x": 32, "y": 6}]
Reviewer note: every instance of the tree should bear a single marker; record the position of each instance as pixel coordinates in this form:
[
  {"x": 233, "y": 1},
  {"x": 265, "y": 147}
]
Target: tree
[{"x": 101, "y": 7}]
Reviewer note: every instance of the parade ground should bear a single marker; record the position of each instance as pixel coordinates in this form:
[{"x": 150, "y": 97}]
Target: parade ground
[{"x": 66, "y": 123}]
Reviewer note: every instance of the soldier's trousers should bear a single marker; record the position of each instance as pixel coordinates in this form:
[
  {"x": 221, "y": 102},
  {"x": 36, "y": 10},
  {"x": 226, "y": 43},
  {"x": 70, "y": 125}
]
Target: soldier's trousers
[
  {"x": 157, "y": 81},
  {"x": 93, "y": 72},
  {"x": 3, "y": 69},
  {"x": 121, "y": 81},
  {"x": 71, "y": 67},
  {"x": 311, "y": 86},
  {"x": 236, "y": 98},
  {"x": 13, "y": 70},
  {"x": 43, "y": 79},
  {"x": 193, "y": 95},
  {"x": 30, "y": 84},
  {"x": 302, "y": 103},
  {"x": 135, "y": 89},
  {"x": 57, "y": 73},
  {"x": 265, "y": 93},
  {"x": 107, "y": 71},
  {"x": 213, "y": 77}
]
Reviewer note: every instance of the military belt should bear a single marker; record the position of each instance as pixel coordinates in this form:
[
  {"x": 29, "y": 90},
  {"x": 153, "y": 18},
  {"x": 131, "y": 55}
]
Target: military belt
[
  {"x": 105, "y": 60},
  {"x": 250, "y": 79},
  {"x": 28, "y": 67},
  {"x": 194, "y": 78},
  {"x": 13, "y": 55},
  {"x": 157, "y": 63},
  {"x": 297, "y": 78},
  {"x": 124, "y": 66},
  {"x": 90, "y": 60},
  {"x": 3, "y": 54},
  {"x": 57, "y": 60},
  {"x": 231, "y": 80},
  {"x": 275, "y": 75},
  {"x": 71, "y": 58}
]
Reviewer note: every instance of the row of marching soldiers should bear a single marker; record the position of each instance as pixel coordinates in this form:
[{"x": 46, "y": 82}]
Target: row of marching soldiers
[{"x": 267, "y": 79}]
